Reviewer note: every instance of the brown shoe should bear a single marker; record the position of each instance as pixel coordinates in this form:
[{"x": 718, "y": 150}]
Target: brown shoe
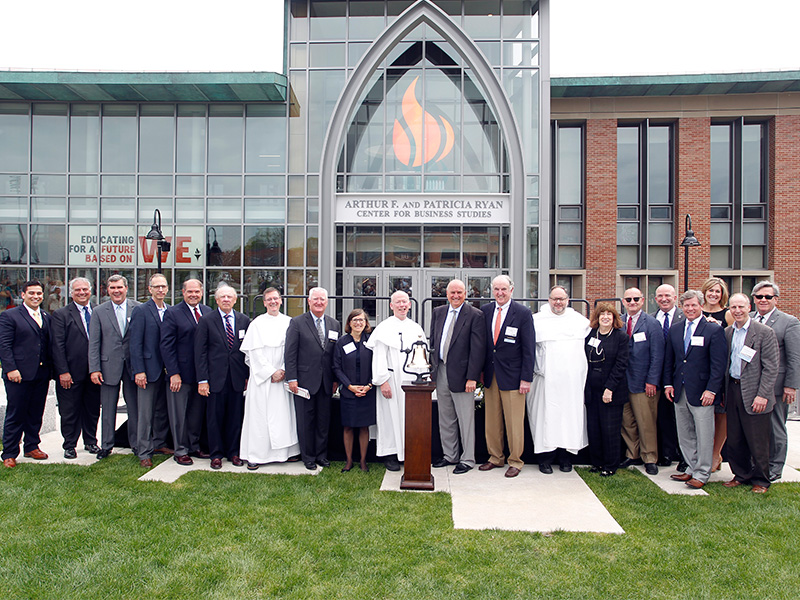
[
  {"x": 183, "y": 460},
  {"x": 680, "y": 477},
  {"x": 695, "y": 483},
  {"x": 164, "y": 450},
  {"x": 732, "y": 483},
  {"x": 236, "y": 461},
  {"x": 512, "y": 472},
  {"x": 146, "y": 463},
  {"x": 488, "y": 466},
  {"x": 36, "y": 454},
  {"x": 216, "y": 463},
  {"x": 10, "y": 463},
  {"x": 759, "y": 489}
]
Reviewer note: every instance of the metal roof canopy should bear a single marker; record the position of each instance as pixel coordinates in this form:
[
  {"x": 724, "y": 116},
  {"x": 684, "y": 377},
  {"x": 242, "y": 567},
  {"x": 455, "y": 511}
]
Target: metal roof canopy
[{"x": 63, "y": 86}]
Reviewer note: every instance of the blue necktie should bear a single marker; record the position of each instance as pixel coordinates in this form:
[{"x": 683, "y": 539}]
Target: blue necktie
[
  {"x": 687, "y": 338},
  {"x": 666, "y": 326},
  {"x": 229, "y": 331},
  {"x": 86, "y": 316}
]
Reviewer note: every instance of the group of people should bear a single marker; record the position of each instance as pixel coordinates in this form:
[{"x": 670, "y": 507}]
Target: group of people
[{"x": 260, "y": 392}]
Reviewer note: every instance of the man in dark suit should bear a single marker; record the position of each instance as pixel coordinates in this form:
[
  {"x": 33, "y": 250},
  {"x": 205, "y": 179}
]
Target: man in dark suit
[
  {"x": 25, "y": 358},
  {"x": 310, "y": 341},
  {"x": 694, "y": 370},
  {"x": 185, "y": 405},
  {"x": 110, "y": 362},
  {"x": 222, "y": 375},
  {"x": 787, "y": 330},
  {"x": 148, "y": 372},
  {"x": 753, "y": 356},
  {"x": 507, "y": 375},
  {"x": 78, "y": 398},
  {"x": 645, "y": 363},
  {"x": 667, "y": 315},
  {"x": 458, "y": 349}
]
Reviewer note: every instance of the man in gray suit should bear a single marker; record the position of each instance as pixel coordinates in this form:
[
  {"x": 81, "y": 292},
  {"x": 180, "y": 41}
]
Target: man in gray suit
[
  {"x": 787, "y": 330},
  {"x": 110, "y": 362},
  {"x": 750, "y": 378}
]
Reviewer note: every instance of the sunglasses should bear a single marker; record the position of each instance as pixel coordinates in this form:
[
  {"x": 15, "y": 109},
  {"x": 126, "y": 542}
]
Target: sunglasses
[
  {"x": 634, "y": 299},
  {"x": 763, "y": 296}
]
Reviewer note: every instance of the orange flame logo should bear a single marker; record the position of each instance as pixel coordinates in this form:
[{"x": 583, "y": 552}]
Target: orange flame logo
[{"x": 416, "y": 149}]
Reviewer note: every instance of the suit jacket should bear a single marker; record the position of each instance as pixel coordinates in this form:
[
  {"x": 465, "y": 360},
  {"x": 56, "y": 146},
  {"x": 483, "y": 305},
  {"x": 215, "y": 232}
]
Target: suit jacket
[
  {"x": 24, "y": 346},
  {"x": 512, "y": 359},
  {"x": 758, "y": 375},
  {"x": 306, "y": 361},
  {"x": 145, "y": 341},
  {"x": 616, "y": 350},
  {"x": 467, "y": 348},
  {"x": 677, "y": 317},
  {"x": 177, "y": 340},
  {"x": 787, "y": 330},
  {"x": 69, "y": 342},
  {"x": 214, "y": 361},
  {"x": 702, "y": 367},
  {"x": 109, "y": 350},
  {"x": 645, "y": 356}
]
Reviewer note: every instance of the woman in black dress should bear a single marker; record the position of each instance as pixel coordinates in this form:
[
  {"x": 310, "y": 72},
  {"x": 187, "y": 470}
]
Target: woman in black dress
[
  {"x": 606, "y": 389},
  {"x": 352, "y": 365}
]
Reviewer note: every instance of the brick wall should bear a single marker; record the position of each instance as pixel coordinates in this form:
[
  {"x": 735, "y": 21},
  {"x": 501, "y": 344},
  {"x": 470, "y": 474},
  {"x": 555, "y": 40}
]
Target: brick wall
[{"x": 784, "y": 213}]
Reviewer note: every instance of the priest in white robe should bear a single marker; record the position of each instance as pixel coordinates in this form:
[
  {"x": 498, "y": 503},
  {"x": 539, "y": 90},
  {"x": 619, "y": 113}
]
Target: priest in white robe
[
  {"x": 388, "y": 374},
  {"x": 269, "y": 430},
  {"x": 556, "y": 412}
]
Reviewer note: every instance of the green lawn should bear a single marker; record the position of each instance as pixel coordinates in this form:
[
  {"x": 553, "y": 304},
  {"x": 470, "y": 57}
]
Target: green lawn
[{"x": 74, "y": 532}]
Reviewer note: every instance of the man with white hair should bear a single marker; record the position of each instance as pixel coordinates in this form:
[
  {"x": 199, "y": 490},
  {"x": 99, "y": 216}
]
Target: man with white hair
[{"x": 387, "y": 372}]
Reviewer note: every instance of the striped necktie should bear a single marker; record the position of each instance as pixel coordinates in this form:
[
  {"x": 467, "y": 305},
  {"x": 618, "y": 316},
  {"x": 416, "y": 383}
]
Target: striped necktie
[{"x": 229, "y": 331}]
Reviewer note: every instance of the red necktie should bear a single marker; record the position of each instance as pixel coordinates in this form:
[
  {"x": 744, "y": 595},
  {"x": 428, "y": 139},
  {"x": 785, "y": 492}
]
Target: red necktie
[
  {"x": 630, "y": 326},
  {"x": 497, "y": 324},
  {"x": 196, "y": 314}
]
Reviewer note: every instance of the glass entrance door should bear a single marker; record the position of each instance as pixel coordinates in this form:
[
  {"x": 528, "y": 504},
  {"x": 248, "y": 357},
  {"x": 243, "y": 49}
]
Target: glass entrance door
[{"x": 365, "y": 284}]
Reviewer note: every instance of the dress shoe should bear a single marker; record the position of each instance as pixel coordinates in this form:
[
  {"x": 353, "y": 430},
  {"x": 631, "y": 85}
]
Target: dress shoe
[
  {"x": 323, "y": 462},
  {"x": 732, "y": 483},
  {"x": 164, "y": 450},
  {"x": 10, "y": 463},
  {"x": 759, "y": 489},
  {"x": 311, "y": 466},
  {"x": 651, "y": 468},
  {"x": 36, "y": 454},
  {"x": 664, "y": 462},
  {"x": 682, "y": 466},
  {"x": 251, "y": 466},
  {"x": 630, "y": 462},
  {"x": 565, "y": 466},
  {"x": 546, "y": 468},
  {"x": 773, "y": 478},
  {"x": 92, "y": 448},
  {"x": 365, "y": 468},
  {"x": 461, "y": 468},
  {"x": 512, "y": 472},
  {"x": 146, "y": 463},
  {"x": 443, "y": 462},
  {"x": 606, "y": 473},
  {"x": 488, "y": 466},
  {"x": 594, "y": 469},
  {"x": 101, "y": 454},
  {"x": 695, "y": 483},
  {"x": 391, "y": 464},
  {"x": 216, "y": 463},
  {"x": 236, "y": 461},
  {"x": 183, "y": 460},
  {"x": 293, "y": 458},
  {"x": 347, "y": 468},
  {"x": 200, "y": 454},
  {"x": 680, "y": 477},
  {"x": 70, "y": 453}
]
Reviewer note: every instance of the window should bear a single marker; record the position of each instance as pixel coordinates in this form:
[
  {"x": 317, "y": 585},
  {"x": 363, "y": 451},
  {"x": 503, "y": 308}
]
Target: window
[{"x": 568, "y": 197}]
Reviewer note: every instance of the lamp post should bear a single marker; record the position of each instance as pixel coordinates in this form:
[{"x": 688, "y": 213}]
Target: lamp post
[
  {"x": 213, "y": 249},
  {"x": 689, "y": 241},
  {"x": 162, "y": 245}
]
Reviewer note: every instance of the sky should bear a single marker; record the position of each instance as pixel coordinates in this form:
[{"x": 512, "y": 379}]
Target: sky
[{"x": 588, "y": 37}]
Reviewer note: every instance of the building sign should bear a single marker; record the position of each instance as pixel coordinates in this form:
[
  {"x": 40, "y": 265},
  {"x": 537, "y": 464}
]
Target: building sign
[
  {"x": 119, "y": 247},
  {"x": 461, "y": 209},
  {"x": 187, "y": 247}
]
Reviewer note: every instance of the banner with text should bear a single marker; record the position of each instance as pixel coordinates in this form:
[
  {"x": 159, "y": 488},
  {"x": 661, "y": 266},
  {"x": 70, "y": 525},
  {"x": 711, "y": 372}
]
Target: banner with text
[{"x": 466, "y": 210}]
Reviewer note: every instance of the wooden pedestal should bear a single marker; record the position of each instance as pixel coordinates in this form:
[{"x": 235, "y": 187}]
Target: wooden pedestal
[{"x": 417, "y": 475}]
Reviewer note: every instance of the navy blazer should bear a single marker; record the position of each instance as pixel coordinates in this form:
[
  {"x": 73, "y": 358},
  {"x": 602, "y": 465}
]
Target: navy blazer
[
  {"x": 177, "y": 340},
  {"x": 512, "y": 359},
  {"x": 702, "y": 368},
  {"x": 69, "y": 342},
  {"x": 24, "y": 346},
  {"x": 306, "y": 361},
  {"x": 467, "y": 350},
  {"x": 214, "y": 361},
  {"x": 645, "y": 357},
  {"x": 344, "y": 365},
  {"x": 145, "y": 343}
]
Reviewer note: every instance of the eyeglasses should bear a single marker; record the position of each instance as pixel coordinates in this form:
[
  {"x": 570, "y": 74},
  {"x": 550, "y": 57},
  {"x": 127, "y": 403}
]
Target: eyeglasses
[
  {"x": 634, "y": 299},
  {"x": 358, "y": 320},
  {"x": 763, "y": 296},
  {"x": 559, "y": 299}
]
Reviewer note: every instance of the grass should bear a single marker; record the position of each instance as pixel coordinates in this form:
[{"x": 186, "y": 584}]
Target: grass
[{"x": 76, "y": 532}]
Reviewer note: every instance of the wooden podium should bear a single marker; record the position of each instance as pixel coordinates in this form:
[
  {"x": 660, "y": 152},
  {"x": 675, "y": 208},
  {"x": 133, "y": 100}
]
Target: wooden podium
[{"x": 417, "y": 475}]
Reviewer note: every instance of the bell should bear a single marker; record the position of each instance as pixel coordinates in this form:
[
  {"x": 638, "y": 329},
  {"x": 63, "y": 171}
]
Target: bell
[{"x": 419, "y": 359}]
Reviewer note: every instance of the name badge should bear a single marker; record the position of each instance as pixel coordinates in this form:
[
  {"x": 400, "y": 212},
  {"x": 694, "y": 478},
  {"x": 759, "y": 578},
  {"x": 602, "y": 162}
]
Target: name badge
[
  {"x": 510, "y": 341},
  {"x": 639, "y": 337},
  {"x": 333, "y": 335},
  {"x": 241, "y": 334},
  {"x": 747, "y": 353},
  {"x": 511, "y": 331},
  {"x": 697, "y": 340},
  {"x": 348, "y": 348},
  {"x": 594, "y": 342}
]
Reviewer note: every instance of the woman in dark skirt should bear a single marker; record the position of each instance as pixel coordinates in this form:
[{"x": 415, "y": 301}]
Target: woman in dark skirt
[
  {"x": 606, "y": 389},
  {"x": 352, "y": 365}
]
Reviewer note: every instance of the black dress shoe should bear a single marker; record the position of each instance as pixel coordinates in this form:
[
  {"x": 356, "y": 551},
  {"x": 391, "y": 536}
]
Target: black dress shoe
[
  {"x": 594, "y": 469},
  {"x": 311, "y": 466},
  {"x": 391, "y": 464},
  {"x": 347, "y": 468},
  {"x": 651, "y": 468},
  {"x": 629, "y": 462},
  {"x": 103, "y": 454},
  {"x": 546, "y": 468},
  {"x": 252, "y": 466},
  {"x": 664, "y": 462},
  {"x": 461, "y": 468},
  {"x": 606, "y": 473},
  {"x": 323, "y": 462},
  {"x": 682, "y": 466},
  {"x": 565, "y": 466},
  {"x": 443, "y": 462},
  {"x": 92, "y": 448},
  {"x": 70, "y": 453}
]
